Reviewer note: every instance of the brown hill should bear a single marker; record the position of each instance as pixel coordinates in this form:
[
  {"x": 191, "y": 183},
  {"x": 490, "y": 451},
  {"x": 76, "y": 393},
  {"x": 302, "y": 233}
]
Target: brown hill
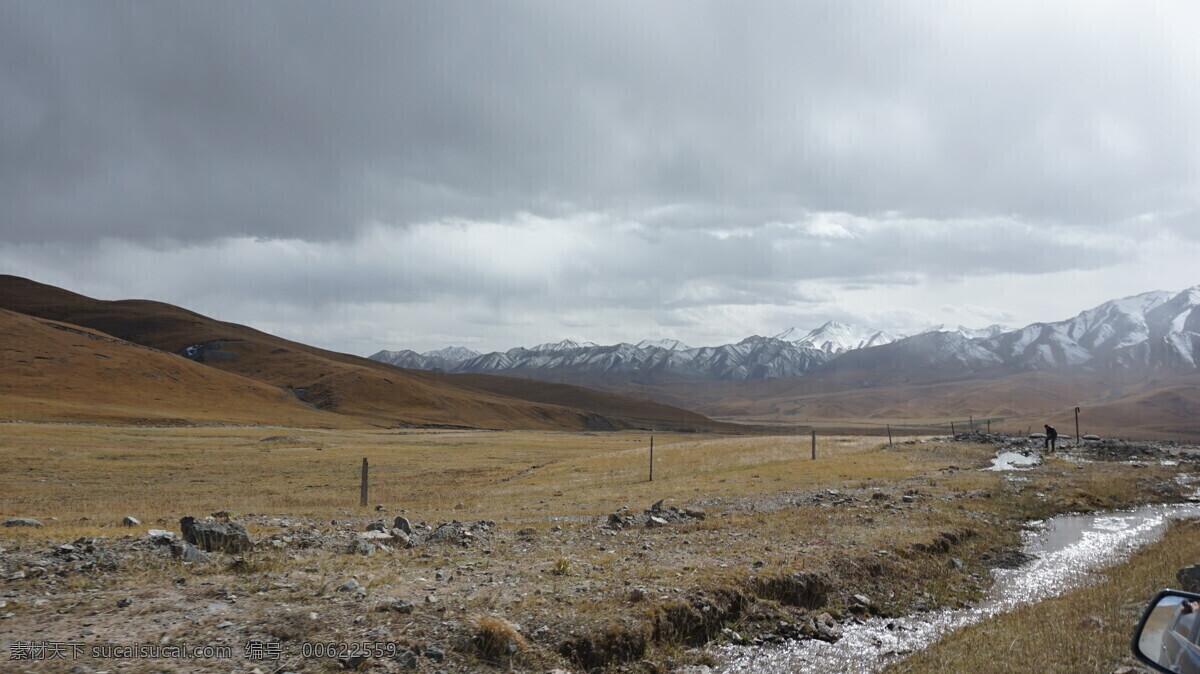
[
  {"x": 1120, "y": 404},
  {"x": 59, "y": 372},
  {"x": 342, "y": 383}
]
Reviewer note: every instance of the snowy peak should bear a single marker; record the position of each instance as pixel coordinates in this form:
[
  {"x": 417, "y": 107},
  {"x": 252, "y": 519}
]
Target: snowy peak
[
  {"x": 971, "y": 333},
  {"x": 455, "y": 354},
  {"x": 835, "y": 338},
  {"x": 565, "y": 345},
  {"x": 668, "y": 344},
  {"x": 1120, "y": 333}
]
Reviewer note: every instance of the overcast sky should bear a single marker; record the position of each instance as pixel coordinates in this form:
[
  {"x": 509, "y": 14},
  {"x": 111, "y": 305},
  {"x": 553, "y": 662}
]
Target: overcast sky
[{"x": 374, "y": 175}]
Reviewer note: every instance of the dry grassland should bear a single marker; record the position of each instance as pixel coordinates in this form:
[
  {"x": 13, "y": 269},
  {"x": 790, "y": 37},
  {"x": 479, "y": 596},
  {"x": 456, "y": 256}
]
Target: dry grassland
[
  {"x": 104, "y": 473},
  {"x": 776, "y": 549}
]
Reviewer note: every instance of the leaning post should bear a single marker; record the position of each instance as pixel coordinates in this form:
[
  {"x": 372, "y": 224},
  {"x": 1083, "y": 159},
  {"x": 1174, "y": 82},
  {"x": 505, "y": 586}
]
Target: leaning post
[{"x": 889, "y": 436}]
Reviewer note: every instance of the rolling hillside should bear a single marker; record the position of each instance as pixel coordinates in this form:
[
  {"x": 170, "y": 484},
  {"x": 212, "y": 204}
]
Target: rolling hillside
[
  {"x": 339, "y": 383},
  {"x": 54, "y": 371}
]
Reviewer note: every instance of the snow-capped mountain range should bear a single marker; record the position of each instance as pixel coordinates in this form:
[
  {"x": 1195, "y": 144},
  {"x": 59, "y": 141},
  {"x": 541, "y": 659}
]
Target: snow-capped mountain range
[{"x": 1153, "y": 330}]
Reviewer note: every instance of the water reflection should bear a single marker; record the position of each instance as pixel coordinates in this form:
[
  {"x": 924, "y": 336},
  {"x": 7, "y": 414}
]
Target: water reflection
[{"x": 1013, "y": 461}]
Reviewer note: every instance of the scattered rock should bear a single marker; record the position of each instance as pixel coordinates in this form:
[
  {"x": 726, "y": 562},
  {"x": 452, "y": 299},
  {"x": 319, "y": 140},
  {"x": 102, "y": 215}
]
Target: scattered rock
[
  {"x": 216, "y": 536},
  {"x": 240, "y": 565},
  {"x": 398, "y": 605},
  {"x": 378, "y": 525},
  {"x": 435, "y": 654},
  {"x": 361, "y": 547},
  {"x": 402, "y": 524},
  {"x": 131, "y": 521},
  {"x": 23, "y": 522},
  {"x": 353, "y": 662},
  {"x": 125, "y": 603},
  {"x": 621, "y": 521},
  {"x": 188, "y": 553},
  {"x": 350, "y": 585},
  {"x": 461, "y": 533},
  {"x": 827, "y": 628}
]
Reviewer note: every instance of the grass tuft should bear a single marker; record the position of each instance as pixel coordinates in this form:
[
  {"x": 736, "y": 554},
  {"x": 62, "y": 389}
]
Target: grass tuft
[{"x": 496, "y": 639}]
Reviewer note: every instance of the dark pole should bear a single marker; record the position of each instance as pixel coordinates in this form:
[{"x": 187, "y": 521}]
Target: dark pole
[
  {"x": 989, "y": 426},
  {"x": 889, "y": 436},
  {"x": 362, "y": 497},
  {"x": 1078, "y": 439},
  {"x": 952, "y": 428},
  {"x": 651, "y": 458},
  {"x": 814, "y": 444}
]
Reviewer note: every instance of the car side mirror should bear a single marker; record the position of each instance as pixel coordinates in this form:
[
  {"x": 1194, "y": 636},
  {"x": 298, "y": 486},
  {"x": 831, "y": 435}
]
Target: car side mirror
[{"x": 1168, "y": 636}]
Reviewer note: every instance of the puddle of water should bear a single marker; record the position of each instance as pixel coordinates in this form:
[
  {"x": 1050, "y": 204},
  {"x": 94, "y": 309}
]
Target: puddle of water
[
  {"x": 1067, "y": 551},
  {"x": 1013, "y": 461}
]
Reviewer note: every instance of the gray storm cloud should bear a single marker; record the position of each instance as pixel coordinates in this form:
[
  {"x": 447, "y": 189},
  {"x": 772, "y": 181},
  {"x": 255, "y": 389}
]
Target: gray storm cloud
[
  {"x": 195, "y": 120},
  {"x": 663, "y": 157}
]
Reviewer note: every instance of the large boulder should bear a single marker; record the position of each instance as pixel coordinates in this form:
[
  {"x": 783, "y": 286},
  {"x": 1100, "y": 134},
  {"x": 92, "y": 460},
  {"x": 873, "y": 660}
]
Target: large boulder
[{"x": 216, "y": 536}]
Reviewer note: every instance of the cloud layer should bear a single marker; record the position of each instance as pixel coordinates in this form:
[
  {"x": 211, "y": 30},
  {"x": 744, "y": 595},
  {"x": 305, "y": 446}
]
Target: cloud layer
[{"x": 433, "y": 172}]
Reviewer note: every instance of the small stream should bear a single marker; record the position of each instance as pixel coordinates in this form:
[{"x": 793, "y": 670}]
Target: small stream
[{"x": 1067, "y": 552}]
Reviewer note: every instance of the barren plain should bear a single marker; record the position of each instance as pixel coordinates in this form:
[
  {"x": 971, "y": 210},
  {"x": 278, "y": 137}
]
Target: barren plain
[{"x": 514, "y": 551}]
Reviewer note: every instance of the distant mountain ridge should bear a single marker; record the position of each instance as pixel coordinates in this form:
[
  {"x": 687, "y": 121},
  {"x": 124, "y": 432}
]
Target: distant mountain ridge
[{"x": 1158, "y": 329}]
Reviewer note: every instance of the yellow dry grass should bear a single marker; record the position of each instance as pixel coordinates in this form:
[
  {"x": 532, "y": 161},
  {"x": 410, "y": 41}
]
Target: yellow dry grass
[
  {"x": 102, "y": 473},
  {"x": 771, "y": 516}
]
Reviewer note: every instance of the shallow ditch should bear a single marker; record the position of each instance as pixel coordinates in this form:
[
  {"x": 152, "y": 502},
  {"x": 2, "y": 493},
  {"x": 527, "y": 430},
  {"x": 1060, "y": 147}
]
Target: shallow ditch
[{"x": 1067, "y": 552}]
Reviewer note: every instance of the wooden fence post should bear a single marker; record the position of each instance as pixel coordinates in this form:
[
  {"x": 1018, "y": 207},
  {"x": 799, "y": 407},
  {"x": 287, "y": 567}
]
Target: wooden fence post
[
  {"x": 362, "y": 497},
  {"x": 651, "y": 458},
  {"x": 889, "y": 436},
  {"x": 814, "y": 444}
]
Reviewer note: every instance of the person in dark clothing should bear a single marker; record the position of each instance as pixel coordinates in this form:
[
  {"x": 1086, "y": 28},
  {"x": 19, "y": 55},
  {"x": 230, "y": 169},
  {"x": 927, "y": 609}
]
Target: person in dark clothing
[{"x": 1051, "y": 437}]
